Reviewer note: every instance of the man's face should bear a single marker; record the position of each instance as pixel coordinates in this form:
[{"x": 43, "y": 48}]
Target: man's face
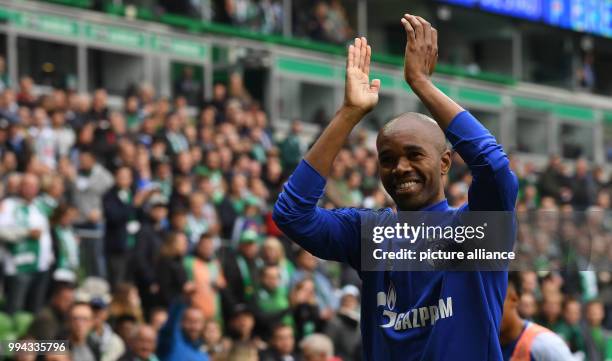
[
  {"x": 193, "y": 324},
  {"x": 63, "y": 300},
  {"x": 271, "y": 278},
  {"x": 283, "y": 340},
  {"x": 100, "y": 316},
  {"x": 144, "y": 343},
  {"x": 123, "y": 178},
  {"x": 29, "y": 187},
  {"x": 412, "y": 165},
  {"x": 80, "y": 321}
]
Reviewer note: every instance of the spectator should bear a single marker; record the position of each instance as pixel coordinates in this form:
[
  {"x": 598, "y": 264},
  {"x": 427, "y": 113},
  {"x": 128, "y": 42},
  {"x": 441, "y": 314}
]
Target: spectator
[
  {"x": 26, "y": 232},
  {"x": 87, "y": 187},
  {"x": 146, "y": 251},
  {"x": 120, "y": 206},
  {"x": 242, "y": 269},
  {"x": 215, "y": 345},
  {"x": 141, "y": 346},
  {"x": 62, "y": 135},
  {"x": 292, "y": 148},
  {"x": 26, "y": 97},
  {"x": 189, "y": 87},
  {"x": 81, "y": 323},
  {"x": 242, "y": 324},
  {"x": 281, "y": 346},
  {"x": 52, "y": 320},
  {"x": 205, "y": 271},
  {"x": 181, "y": 336},
  {"x": 570, "y": 329},
  {"x": 103, "y": 341},
  {"x": 317, "y": 347},
  {"x": 174, "y": 277},
  {"x": 273, "y": 253},
  {"x": 271, "y": 301},
  {"x": 305, "y": 311},
  {"x": 65, "y": 244},
  {"x": 552, "y": 180},
  {"x": 594, "y": 334},
  {"x": 583, "y": 186},
  {"x": 551, "y": 311},
  {"x": 307, "y": 268},
  {"x": 126, "y": 302},
  {"x": 520, "y": 338},
  {"x": 344, "y": 329}
]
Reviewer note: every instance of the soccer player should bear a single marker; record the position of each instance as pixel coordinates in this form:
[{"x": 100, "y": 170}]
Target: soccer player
[
  {"x": 408, "y": 315},
  {"x": 522, "y": 340}
]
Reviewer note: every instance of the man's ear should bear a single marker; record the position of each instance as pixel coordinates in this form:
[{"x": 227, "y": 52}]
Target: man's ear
[{"x": 445, "y": 162}]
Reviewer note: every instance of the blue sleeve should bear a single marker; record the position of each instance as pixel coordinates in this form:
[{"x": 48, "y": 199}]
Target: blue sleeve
[
  {"x": 328, "y": 234},
  {"x": 170, "y": 333},
  {"x": 494, "y": 186}
]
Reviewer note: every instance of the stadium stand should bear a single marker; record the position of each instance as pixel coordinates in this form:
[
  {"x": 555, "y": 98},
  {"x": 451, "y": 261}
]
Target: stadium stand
[{"x": 144, "y": 149}]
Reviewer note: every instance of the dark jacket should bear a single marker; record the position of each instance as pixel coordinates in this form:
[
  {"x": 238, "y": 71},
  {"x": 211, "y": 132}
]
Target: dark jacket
[
  {"x": 48, "y": 324},
  {"x": 117, "y": 215},
  {"x": 171, "y": 277}
]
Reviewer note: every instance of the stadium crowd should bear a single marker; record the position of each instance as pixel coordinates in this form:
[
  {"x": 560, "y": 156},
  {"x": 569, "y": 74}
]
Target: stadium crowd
[{"x": 145, "y": 233}]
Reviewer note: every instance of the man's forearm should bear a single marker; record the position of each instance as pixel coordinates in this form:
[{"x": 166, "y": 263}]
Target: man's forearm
[
  {"x": 441, "y": 107},
  {"x": 322, "y": 154}
]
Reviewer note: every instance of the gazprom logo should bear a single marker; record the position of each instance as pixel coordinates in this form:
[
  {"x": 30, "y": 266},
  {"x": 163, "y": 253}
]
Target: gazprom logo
[{"x": 413, "y": 318}]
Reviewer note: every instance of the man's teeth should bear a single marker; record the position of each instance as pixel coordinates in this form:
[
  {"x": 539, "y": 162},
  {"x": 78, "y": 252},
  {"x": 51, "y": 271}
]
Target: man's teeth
[{"x": 407, "y": 184}]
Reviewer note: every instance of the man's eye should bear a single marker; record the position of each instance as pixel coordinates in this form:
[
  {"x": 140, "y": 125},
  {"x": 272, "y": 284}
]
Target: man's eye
[
  {"x": 386, "y": 160},
  {"x": 415, "y": 155}
]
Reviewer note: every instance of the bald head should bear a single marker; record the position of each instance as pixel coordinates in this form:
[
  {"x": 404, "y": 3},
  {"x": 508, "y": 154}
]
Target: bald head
[
  {"x": 413, "y": 159},
  {"x": 416, "y": 123}
]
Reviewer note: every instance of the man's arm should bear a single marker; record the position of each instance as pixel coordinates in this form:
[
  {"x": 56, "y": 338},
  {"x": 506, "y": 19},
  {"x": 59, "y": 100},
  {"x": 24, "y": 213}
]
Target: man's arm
[
  {"x": 332, "y": 235},
  {"x": 494, "y": 186}
]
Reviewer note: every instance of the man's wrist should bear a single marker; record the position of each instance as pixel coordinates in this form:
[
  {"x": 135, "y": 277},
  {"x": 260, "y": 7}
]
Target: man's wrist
[
  {"x": 351, "y": 114},
  {"x": 419, "y": 82}
]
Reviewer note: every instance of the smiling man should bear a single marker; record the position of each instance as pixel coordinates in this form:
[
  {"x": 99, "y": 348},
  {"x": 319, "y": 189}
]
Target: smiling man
[{"x": 408, "y": 315}]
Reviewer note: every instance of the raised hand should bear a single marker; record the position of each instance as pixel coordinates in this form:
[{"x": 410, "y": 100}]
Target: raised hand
[
  {"x": 421, "y": 49},
  {"x": 359, "y": 93}
]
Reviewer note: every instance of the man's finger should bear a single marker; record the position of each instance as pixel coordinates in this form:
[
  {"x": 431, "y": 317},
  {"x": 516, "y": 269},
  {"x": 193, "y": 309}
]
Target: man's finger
[
  {"x": 434, "y": 50},
  {"x": 426, "y": 33},
  {"x": 357, "y": 52},
  {"x": 409, "y": 30},
  {"x": 366, "y": 68},
  {"x": 418, "y": 29},
  {"x": 364, "y": 53},
  {"x": 350, "y": 58}
]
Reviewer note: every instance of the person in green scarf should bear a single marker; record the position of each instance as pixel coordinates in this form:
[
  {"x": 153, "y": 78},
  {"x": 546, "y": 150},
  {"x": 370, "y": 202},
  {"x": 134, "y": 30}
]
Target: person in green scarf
[
  {"x": 596, "y": 337},
  {"x": 65, "y": 243},
  {"x": 24, "y": 229},
  {"x": 271, "y": 301}
]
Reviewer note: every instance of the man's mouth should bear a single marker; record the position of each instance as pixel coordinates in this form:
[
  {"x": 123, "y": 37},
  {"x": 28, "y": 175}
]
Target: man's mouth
[{"x": 408, "y": 186}]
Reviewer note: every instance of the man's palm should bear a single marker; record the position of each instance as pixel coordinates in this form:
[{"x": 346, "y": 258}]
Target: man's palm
[{"x": 359, "y": 92}]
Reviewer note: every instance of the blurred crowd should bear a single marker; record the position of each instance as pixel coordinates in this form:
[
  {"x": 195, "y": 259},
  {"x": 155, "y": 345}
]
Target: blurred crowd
[
  {"x": 145, "y": 232},
  {"x": 321, "y": 20}
]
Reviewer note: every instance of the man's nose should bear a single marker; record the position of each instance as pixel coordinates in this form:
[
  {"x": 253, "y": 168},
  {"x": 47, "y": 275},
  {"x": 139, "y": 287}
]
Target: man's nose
[{"x": 404, "y": 165}]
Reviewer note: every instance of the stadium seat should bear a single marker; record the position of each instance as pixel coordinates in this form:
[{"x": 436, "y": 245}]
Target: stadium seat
[{"x": 21, "y": 322}]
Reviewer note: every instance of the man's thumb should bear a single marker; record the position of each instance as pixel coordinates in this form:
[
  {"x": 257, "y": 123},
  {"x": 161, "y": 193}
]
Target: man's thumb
[{"x": 375, "y": 86}]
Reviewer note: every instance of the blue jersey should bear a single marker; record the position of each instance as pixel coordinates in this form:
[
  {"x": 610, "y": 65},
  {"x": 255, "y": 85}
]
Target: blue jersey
[{"x": 420, "y": 316}]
